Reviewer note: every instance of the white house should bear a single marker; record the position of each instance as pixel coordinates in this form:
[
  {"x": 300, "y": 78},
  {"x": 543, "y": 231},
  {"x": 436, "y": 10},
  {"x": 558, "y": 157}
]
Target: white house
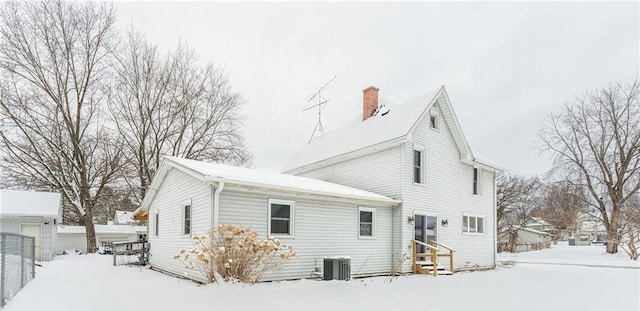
[
  {"x": 416, "y": 153},
  {"x": 525, "y": 239},
  {"x": 539, "y": 224},
  {"x": 317, "y": 218},
  {"x": 34, "y": 214},
  {"x": 124, "y": 218},
  {"x": 75, "y": 237}
]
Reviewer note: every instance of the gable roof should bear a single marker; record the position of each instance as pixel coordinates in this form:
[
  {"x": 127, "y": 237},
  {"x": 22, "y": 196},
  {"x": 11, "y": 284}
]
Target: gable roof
[
  {"x": 246, "y": 177},
  {"x": 359, "y": 137},
  {"x": 16, "y": 203}
]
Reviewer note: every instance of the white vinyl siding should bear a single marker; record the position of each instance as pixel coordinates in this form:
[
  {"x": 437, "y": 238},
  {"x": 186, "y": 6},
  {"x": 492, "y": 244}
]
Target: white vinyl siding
[
  {"x": 380, "y": 172},
  {"x": 176, "y": 189},
  {"x": 377, "y": 172},
  {"x": 323, "y": 228},
  {"x": 447, "y": 194}
]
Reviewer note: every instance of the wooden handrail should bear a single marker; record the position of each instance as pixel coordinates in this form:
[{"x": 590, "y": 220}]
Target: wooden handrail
[
  {"x": 443, "y": 245},
  {"x": 450, "y": 255},
  {"x": 431, "y": 247},
  {"x": 433, "y": 255}
]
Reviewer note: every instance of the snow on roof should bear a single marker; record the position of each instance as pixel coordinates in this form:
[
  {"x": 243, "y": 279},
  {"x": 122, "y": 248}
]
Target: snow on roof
[
  {"x": 124, "y": 217},
  {"x": 100, "y": 229},
  {"x": 358, "y": 134},
  {"x": 534, "y": 231},
  {"x": 271, "y": 180},
  {"x": 29, "y": 203},
  {"x": 538, "y": 222}
]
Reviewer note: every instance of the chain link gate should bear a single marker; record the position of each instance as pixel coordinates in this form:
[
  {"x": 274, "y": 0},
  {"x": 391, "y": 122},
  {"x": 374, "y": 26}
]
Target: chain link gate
[{"x": 17, "y": 264}]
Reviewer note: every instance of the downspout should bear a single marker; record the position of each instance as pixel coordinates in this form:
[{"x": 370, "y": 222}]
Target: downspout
[
  {"x": 495, "y": 222},
  {"x": 215, "y": 219}
]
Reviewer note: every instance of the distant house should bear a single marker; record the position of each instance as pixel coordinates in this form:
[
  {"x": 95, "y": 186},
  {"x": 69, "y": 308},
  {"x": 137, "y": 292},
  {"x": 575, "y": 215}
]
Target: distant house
[
  {"x": 124, "y": 218},
  {"x": 416, "y": 153},
  {"x": 34, "y": 214},
  {"x": 524, "y": 239},
  {"x": 319, "y": 219},
  {"x": 539, "y": 224},
  {"x": 74, "y": 237},
  {"x": 590, "y": 224}
]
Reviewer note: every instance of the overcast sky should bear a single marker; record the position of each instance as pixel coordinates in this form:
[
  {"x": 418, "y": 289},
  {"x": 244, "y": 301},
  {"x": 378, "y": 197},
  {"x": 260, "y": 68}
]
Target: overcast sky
[{"x": 506, "y": 66}]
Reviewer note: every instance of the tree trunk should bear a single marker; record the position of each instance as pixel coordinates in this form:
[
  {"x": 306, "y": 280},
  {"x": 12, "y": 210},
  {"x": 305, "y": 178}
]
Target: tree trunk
[
  {"x": 612, "y": 238},
  {"x": 87, "y": 221}
]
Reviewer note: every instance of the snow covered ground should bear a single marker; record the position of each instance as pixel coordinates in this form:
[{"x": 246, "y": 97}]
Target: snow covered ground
[{"x": 90, "y": 282}]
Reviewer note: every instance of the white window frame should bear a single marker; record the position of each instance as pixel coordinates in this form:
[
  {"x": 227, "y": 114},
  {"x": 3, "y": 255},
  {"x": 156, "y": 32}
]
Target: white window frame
[
  {"x": 372, "y": 210},
  {"x": 475, "y": 221},
  {"x": 477, "y": 180},
  {"x": 156, "y": 224},
  {"x": 420, "y": 149},
  {"x": 291, "y": 218},
  {"x": 184, "y": 218},
  {"x": 434, "y": 121}
]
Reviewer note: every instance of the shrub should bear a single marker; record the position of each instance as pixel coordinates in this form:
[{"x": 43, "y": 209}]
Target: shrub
[{"x": 234, "y": 253}]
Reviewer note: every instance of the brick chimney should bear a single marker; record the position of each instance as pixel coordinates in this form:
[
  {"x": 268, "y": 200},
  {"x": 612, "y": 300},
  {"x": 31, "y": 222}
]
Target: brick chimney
[{"x": 369, "y": 101}]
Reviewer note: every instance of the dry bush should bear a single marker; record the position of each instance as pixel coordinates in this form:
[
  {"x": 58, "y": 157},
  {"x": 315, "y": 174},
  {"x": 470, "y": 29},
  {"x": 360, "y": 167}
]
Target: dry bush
[{"x": 234, "y": 253}]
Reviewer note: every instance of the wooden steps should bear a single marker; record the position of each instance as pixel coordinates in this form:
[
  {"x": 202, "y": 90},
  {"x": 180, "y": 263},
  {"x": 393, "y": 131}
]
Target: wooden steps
[
  {"x": 426, "y": 261},
  {"x": 426, "y": 267}
]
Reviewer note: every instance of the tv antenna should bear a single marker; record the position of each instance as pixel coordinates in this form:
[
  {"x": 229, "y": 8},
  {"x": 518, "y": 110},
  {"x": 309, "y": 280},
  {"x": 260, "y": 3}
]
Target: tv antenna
[{"x": 321, "y": 102}]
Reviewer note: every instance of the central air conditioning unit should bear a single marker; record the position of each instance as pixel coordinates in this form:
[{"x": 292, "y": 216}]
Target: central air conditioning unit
[{"x": 337, "y": 268}]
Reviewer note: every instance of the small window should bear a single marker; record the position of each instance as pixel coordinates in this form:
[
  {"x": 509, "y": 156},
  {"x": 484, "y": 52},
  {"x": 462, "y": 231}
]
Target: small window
[
  {"x": 367, "y": 222},
  {"x": 433, "y": 120},
  {"x": 156, "y": 223},
  {"x": 281, "y": 217},
  {"x": 472, "y": 224},
  {"x": 477, "y": 178},
  {"x": 417, "y": 166},
  {"x": 186, "y": 215}
]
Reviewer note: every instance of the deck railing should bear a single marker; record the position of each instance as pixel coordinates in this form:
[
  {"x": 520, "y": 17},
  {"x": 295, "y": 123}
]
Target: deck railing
[
  {"x": 433, "y": 253},
  {"x": 450, "y": 254},
  {"x": 126, "y": 249}
]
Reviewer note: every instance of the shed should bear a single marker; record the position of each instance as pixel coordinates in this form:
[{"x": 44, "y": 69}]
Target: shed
[{"x": 34, "y": 214}]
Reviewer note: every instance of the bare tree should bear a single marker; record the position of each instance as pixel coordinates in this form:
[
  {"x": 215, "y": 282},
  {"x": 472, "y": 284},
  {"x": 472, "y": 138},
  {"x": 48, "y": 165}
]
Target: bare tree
[
  {"x": 630, "y": 229},
  {"x": 516, "y": 200},
  {"x": 53, "y": 57},
  {"x": 560, "y": 203},
  {"x": 596, "y": 141},
  {"x": 171, "y": 105},
  {"x": 115, "y": 199}
]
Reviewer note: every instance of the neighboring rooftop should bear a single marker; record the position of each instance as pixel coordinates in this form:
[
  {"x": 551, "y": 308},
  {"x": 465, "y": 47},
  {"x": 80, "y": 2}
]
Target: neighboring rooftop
[
  {"x": 124, "y": 217},
  {"x": 15, "y": 203}
]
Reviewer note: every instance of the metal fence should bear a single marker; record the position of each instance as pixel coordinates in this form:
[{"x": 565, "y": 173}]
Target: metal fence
[{"x": 17, "y": 264}]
